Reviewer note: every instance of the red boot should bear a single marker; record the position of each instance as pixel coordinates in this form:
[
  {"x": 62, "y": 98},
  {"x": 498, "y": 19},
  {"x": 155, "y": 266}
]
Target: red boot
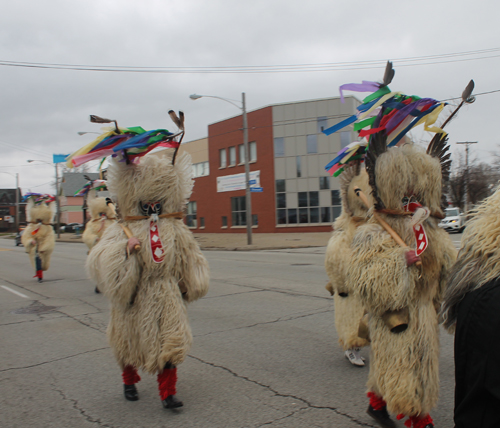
[
  {"x": 167, "y": 381},
  {"x": 130, "y": 378}
]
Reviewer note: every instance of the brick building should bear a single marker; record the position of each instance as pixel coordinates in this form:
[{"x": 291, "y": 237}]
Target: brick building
[{"x": 288, "y": 153}]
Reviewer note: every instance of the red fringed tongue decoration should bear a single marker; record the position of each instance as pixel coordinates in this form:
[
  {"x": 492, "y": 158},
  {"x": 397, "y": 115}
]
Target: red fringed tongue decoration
[
  {"x": 376, "y": 402},
  {"x": 167, "y": 380},
  {"x": 130, "y": 375},
  {"x": 416, "y": 421},
  {"x": 156, "y": 246}
]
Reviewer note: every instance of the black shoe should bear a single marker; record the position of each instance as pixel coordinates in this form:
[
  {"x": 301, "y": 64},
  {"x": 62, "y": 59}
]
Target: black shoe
[
  {"x": 97, "y": 291},
  {"x": 40, "y": 280},
  {"x": 171, "y": 402},
  {"x": 381, "y": 416},
  {"x": 130, "y": 392}
]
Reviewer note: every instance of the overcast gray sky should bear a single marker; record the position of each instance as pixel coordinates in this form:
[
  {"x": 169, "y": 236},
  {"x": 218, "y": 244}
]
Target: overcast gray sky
[{"x": 41, "y": 110}]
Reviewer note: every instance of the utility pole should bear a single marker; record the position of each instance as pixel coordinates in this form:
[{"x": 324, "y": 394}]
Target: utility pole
[
  {"x": 248, "y": 195},
  {"x": 58, "y": 209},
  {"x": 466, "y": 196},
  {"x": 17, "y": 202}
]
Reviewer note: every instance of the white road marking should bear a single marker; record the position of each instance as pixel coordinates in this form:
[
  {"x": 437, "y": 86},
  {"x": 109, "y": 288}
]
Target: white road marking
[{"x": 14, "y": 291}]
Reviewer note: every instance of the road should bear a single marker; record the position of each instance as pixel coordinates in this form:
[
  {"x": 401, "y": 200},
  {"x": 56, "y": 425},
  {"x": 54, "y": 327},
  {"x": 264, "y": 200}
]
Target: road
[{"x": 265, "y": 350}]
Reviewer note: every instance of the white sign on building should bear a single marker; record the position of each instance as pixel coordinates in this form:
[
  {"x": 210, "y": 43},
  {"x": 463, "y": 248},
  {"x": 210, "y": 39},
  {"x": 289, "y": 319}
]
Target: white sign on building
[{"x": 230, "y": 183}]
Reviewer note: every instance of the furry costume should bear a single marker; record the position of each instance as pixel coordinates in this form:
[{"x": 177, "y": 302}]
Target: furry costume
[
  {"x": 39, "y": 237},
  {"x": 404, "y": 363},
  {"x": 471, "y": 305},
  {"x": 102, "y": 215},
  {"x": 348, "y": 309},
  {"x": 149, "y": 327}
]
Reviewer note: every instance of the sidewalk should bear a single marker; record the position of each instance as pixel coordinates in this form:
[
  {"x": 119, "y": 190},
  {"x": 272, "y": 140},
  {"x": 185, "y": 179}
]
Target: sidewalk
[{"x": 238, "y": 241}]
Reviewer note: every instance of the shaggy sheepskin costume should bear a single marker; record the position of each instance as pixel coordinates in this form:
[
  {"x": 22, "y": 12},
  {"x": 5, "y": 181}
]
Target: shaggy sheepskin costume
[
  {"x": 401, "y": 297},
  {"x": 348, "y": 308},
  {"x": 150, "y": 287},
  {"x": 472, "y": 307},
  {"x": 102, "y": 215},
  {"x": 39, "y": 237}
]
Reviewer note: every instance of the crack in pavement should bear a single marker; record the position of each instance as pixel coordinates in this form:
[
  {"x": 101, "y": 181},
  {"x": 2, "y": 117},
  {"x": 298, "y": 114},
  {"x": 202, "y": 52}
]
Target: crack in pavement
[
  {"x": 79, "y": 409},
  {"x": 26, "y": 321},
  {"x": 278, "y": 394},
  {"x": 281, "y": 418},
  {"x": 52, "y": 361},
  {"x": 233, "y": 294},
  {"x": 275, "y": 290},
  {"x": 280, "y": 319}
]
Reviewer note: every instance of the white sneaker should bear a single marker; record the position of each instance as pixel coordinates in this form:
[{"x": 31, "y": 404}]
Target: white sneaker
[{"x": 354, "y": 357}]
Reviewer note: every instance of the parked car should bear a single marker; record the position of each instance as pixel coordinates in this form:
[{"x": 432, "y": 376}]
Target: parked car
[
  {"x": 18, "y": 237},
  {"x": 71, "y": 227},
  {"x": 454, "y": 220}
]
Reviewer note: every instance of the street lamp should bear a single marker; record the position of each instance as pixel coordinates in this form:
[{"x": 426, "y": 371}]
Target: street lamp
[
  {"x": 58, "y": 212},
  {"x": 247, "y": 158},
  {"x": 17, "y": 198}
]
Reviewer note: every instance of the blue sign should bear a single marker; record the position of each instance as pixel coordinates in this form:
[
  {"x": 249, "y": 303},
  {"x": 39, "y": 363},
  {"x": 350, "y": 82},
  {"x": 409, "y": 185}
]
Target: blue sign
[
  {"x": 256, "y": 189},
  {"x": 252, "y": 182},
  {"x": 59, "y": 158}
]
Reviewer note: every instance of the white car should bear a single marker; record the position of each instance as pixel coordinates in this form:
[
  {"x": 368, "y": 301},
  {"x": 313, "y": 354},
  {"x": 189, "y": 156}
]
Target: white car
[{"x": 454, "y": 220}]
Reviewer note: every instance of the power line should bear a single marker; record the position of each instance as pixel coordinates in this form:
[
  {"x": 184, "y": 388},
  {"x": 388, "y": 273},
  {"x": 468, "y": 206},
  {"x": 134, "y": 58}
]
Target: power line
[{"x": 284, "y": 68}]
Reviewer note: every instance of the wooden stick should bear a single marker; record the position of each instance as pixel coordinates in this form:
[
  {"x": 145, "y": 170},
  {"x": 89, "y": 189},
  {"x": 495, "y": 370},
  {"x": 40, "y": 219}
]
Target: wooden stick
[
  {"x": 129, "y": 234},
  {"x": 382, "y": 222}
]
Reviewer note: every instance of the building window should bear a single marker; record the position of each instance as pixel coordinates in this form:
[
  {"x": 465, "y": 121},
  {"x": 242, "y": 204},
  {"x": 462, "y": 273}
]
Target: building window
[
  {"x": 312, "y": 144},
  {"x": 303, "y": 215},
  {"x": 325, "y": 214},
  {"x": 345, "y": 139},
  {"x": 238, "y": 211},
  {"x": 200, "y": 169},
  {"x": 313, "y": 199},
  {"x": 322, "y": 124},
  {"x": 280, "y": 186},
  {"x": 191, "y": 215},
  {"x": 292, "y": 216},
  {"x": 232, "y": 156},
  {"x": 336, "y": 197},
  {"x": 202, "y": 222},
  {"x": 303, "y": 202},
  {"x": 279, "y": 147},
  {"x": 281, "y": 216},
  {"x": 222, "y": 158},
  {"x": 281, "y": 200},
  {"x": 314, "y": 215},
  {"x": 299, "y": 166},
  {"x": 255, "y": 220},
  {"x": 336, "y": 204},
  {"x": 224, "y": 221},
  {"x": 309, "y": 210},
  {"x": 242, "y": 153},
  {"x": 252, "y": 148},
  {"x": 324, "y": 183}
]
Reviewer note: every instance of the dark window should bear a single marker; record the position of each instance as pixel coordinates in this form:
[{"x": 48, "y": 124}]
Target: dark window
[
  {"x": 313, "y": 199},
  {"x": 191, "y": 215},
  {"x": 312, "y": 143},
  {"x": 324, "y": 183},
  {"x": 202, "y": 221},
  {"x": 238, "y": 211},
  {"x": 303, "y": 199},
  {"x": 281, "y": 216},
  {"x": 325, "y": 214},
  {"x": 279, "y": 147},
  {"x": 281, "y": 200},
  {"x": 314, "y": 215},
  {"x": 280, "y": 186},
  {"x": 336, "y": 197},
  {"x": 292, "y": 216},
  {"x": 303, "y": 217},
  {"x": 224, "y": 221},
  {"x": 255, "y": 220},
  {"x": 336, "y": 212},
  {"x": 299, "y": 167}
]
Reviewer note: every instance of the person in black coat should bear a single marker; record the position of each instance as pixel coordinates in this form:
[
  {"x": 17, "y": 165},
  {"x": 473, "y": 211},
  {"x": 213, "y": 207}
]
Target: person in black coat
[{"x": 471, "y": 308}]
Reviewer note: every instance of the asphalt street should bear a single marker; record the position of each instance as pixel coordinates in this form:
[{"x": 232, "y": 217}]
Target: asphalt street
[{"x": 265, "y": 349}]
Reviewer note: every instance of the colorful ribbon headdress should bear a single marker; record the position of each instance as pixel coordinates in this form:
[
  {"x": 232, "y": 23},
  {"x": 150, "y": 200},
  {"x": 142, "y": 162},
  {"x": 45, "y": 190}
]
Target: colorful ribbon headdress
[
  {"x": 39, "y": 198},
  {"x": 131, "y": 142},
  {"x": 388, "y": 112},
  {"x": 91, "y": 184}
]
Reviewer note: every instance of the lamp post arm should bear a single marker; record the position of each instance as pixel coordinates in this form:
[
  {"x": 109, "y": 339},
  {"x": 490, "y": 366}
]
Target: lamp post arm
[{"x": 223, "y": 99}]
